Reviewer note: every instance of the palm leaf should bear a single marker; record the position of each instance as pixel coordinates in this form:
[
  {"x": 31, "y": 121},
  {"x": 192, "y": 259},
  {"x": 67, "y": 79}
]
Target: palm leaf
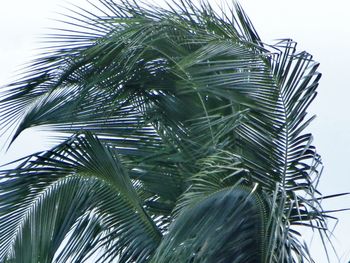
[
  {"x": 213, "y": 230},
  {"x": 50, "y": 197},
  {"x": 197, "y": 110}
]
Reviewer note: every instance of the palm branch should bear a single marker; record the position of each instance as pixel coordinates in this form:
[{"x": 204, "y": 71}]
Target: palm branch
[{"x": 184, "y": 141}]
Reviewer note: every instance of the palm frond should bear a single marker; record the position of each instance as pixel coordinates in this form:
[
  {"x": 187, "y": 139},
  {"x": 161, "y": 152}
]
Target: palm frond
[
  {"x": 212, "y": 230},
  {"x": 188, "y": 109},
  {"x": 46, "y": 201}
]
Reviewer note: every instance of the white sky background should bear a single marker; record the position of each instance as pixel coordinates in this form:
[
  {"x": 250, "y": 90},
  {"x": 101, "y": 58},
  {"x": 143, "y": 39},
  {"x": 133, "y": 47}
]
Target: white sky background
[{"x": 320, "y": 27}]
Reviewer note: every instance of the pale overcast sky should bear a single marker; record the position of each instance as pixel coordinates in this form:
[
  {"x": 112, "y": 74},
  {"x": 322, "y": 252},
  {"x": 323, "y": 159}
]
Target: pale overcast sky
[{"x": 320, "y": 27}]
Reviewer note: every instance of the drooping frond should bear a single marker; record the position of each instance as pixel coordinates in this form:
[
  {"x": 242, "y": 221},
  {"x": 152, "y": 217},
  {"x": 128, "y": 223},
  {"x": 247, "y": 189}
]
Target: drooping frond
[
  {"x": 212, "y": 230},
  {"x": 51, "y": 204}
]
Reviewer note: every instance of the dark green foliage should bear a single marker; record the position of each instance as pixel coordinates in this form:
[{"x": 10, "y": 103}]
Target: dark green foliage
[{"x": 184, "y": 142}]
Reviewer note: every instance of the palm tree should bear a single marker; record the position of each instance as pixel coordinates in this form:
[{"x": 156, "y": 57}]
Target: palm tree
[{"x": 182, "y": 139}]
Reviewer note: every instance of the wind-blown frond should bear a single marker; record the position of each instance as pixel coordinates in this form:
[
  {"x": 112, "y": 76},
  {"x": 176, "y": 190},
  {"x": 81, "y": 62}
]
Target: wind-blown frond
[
  {"x": 46, "y": 201},
  {"x": 171, "y": 111}
]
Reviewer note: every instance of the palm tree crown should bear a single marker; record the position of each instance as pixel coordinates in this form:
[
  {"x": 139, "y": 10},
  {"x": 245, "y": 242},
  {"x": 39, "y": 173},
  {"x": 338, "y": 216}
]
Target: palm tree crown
[{"x": 184, "y": 141}]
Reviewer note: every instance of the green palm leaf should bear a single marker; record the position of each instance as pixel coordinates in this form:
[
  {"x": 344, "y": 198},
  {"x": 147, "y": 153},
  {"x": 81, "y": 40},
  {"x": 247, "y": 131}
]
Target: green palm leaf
[
  {"x": 51, "y": 196},
  {"x": 167, "y": 112},
  {"x": 213, "y": 230}
]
